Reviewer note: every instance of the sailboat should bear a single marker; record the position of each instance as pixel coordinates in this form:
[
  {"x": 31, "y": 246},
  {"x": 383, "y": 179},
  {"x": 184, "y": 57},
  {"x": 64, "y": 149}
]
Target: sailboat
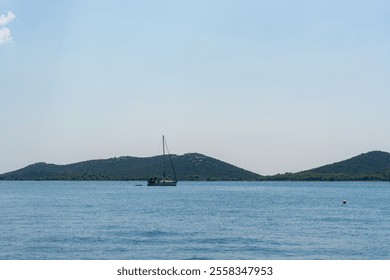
[{"x": 155, "y": 181}]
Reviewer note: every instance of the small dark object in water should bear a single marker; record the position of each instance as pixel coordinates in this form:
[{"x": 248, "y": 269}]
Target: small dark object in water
[
  {"x": 138, "y": 185},
  {"x": 344, "y": 202}
]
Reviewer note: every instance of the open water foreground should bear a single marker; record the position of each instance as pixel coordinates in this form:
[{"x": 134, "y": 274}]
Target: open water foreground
[{"x": 50, "y": 220}]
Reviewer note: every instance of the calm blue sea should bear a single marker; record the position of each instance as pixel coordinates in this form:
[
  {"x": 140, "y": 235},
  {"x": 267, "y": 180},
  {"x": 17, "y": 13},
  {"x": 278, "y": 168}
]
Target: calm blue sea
[{"x": 195, "y": 220}]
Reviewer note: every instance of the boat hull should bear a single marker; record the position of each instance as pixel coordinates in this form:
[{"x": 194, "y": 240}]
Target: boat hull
[
  {"x": 156, "y": 181},
  {"x": 162, "y": 183}
]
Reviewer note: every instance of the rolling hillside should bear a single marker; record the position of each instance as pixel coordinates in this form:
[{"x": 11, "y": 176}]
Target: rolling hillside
[
  {"x": 197, "y": 167},
  {"x": 189, "y": 167},
  {"x": 373, "y": 165}
]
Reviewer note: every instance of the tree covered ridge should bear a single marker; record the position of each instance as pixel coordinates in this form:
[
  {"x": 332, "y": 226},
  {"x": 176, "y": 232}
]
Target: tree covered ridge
[
  {"x": 369, "y": 166},
  {"x": 188, "y": 167},
  {"x": 374, "y": 165}
]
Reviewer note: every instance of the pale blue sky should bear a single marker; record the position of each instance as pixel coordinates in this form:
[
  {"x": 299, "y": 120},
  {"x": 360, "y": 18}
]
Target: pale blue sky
[{"x": 268, "y": 85}]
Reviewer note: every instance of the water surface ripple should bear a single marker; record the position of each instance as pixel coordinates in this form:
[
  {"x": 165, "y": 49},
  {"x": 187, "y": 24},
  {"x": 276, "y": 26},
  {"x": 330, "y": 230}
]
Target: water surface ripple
[{"x": 195, "y": 220}]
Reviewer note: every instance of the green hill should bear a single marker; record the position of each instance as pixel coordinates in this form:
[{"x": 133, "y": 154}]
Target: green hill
[
  {"x": 197, "y": 167},
  {"x": 188, "y": 167},
  {"x": 370, "y": 166}
]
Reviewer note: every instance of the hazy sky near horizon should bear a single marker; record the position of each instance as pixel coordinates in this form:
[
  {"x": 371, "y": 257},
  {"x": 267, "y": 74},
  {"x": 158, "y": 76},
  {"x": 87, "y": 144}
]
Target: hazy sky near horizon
[{"x": 271, "y": 86}]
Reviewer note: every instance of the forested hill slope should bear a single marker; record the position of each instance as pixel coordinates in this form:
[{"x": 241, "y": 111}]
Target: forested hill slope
[
  {"x": 192, "y": 166},
  {"x": 197, "y": 167},
  {"x": 373, "y": 165}
]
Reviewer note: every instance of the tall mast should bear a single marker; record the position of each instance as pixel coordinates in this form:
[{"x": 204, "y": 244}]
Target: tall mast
[{"x": 163, "y": 139}]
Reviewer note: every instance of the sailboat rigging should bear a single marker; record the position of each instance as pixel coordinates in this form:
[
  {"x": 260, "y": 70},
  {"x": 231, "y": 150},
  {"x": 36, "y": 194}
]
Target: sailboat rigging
[{"x": 155, "y": 181}]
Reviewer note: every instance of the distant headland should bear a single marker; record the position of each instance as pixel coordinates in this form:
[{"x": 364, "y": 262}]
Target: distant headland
[{"x": 371, "y": 166}]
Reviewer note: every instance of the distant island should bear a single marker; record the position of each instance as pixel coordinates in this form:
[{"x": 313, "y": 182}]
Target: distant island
[
  {"x": 189, "y": 167},
  {"x": 371, "y": 166}
]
